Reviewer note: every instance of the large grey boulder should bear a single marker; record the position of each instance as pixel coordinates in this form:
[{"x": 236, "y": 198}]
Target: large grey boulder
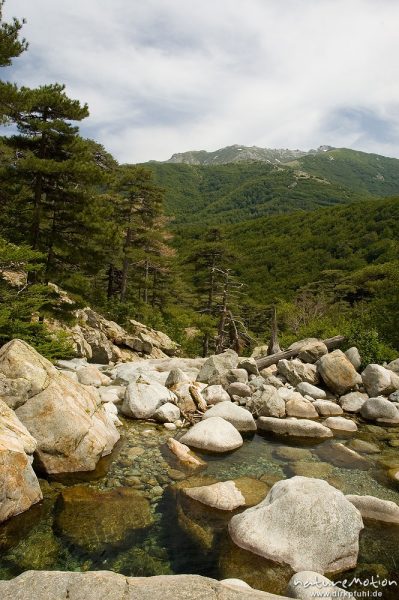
[
  {"x": 353, "y": 401},
  {"x": 223, "y": 495},
  {"x": 214, "y": 435},
  {"x": 215, "y": 369},
  {"x": 106, "y": 585},
  {"x": 306, "y": 389},
  {"x": 19, "y": 487},
  {"x": 338, "y": 373},
  {"x": 213, "y": 394},
  {"x": 144, "y": 396},
  {"x": 379, "y": 381},
  {"x": 296, "y": 372},
  {"x": 354, "y": 357},
  {"x": 267, "y": 402},
  {"x": 308, "y": 585},
  {"x": 67, "y": 419},
  {"x": 374, "y": 508},
  {"x": 241, "y": 418},
  {"x": 378, "y": 408},
  {"x": 304, "y": 523},
  {"x": 294, "y": 427}
]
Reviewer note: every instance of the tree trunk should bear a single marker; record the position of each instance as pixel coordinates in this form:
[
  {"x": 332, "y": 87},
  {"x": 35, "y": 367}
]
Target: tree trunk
[
  {"x": 274, "y": 346},
  {"x": 267, "y": 361},
  {"x": 125, "y": 265},
  {"x": 111, "y": 281},
  {"x": 146, "y": 271}
]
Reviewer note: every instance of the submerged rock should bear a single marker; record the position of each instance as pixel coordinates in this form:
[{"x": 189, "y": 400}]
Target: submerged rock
[
  {"x": 294, "y": 427},
  {"x": 223, "y": 495},
  {"x": 374, "y": 508},
  {"x": 304, "y": 523},
  {"x": 92, "y": 519}
]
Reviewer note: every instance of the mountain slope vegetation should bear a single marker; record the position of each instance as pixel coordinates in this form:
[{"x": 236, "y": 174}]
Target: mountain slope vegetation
[{"x": 235, "y": 192}]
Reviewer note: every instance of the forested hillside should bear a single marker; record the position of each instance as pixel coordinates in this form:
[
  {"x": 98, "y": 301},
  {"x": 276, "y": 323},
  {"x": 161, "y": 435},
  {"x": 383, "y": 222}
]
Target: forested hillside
[{"x": 230, "y": 193}]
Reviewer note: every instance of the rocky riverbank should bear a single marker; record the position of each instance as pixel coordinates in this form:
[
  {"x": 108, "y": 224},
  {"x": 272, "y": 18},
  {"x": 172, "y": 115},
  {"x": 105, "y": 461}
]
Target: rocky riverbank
[{"x": 245, "y": 468}]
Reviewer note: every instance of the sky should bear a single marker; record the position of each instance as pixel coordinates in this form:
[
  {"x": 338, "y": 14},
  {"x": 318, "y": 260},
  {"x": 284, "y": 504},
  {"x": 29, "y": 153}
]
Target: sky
[{"x": 167, "y": 76}]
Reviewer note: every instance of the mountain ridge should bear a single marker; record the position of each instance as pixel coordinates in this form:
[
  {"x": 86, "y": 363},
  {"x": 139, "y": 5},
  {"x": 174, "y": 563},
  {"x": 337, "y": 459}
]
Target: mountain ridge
[{"x": 238, "y": 153}]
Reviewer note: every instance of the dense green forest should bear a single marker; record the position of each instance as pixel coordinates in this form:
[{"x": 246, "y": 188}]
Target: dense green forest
[{"x": 205, "y": 253}]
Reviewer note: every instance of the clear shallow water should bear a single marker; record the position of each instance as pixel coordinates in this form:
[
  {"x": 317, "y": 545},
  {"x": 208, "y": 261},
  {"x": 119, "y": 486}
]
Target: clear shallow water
[{"x": 63, "y": 531}]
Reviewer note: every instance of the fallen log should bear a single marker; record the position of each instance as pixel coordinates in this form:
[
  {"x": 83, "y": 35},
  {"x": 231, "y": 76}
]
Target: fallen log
[{"x": 267, "y": 361}]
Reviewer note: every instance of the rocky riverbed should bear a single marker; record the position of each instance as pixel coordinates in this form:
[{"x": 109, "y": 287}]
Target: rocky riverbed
[
  {"x": 203, "y": 467},
  {"x": 156, "y": 531}
]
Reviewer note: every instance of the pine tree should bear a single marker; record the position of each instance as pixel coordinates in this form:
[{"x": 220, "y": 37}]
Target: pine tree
[
  {"x": 139, "y": 214},
  {"x": 11, "y": 45}
]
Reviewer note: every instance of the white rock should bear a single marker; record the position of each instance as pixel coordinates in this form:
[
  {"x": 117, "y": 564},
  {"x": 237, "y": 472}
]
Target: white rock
[
  {"x": 267, "y": 402},
  {"x": 167, "y": 413},
  {"x": 66, "y": 418},
  {"x": 354, "y": 357},
  {"x": 379, "y": 381},
  {"x": 241, "y": 418},
  {"x": 90, "y": 375},
  {"x": 306, "y": 389},
  {"x": 143, "y": 397},
  {"x": 298, "y": 406},
  {"x": 223, "y": 495},
  {"x": 325, "y": 408},
  {"x": 213, "y": 394},
  {"x": 303, "y": 522},
  {"x": 296, "y": 372},
  {"x": 213, "y": 434},
  {"x": 19, "y": 487},
  {"x": 176, "y": 376},
  {"x": 353, "y": 401},
  {"x": 371, "y": 507},
  {"x": 340, "y": 424},
  {"x": 215, "y": 368},
  {"x": 378, "y": 408}
]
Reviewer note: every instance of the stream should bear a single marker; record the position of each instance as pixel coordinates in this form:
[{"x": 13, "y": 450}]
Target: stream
[{"x": 128, "y": 516}]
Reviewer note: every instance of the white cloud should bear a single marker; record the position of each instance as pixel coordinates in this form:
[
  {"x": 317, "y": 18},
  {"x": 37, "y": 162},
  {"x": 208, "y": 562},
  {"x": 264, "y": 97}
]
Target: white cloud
[{"x": 164, "y": 76}]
